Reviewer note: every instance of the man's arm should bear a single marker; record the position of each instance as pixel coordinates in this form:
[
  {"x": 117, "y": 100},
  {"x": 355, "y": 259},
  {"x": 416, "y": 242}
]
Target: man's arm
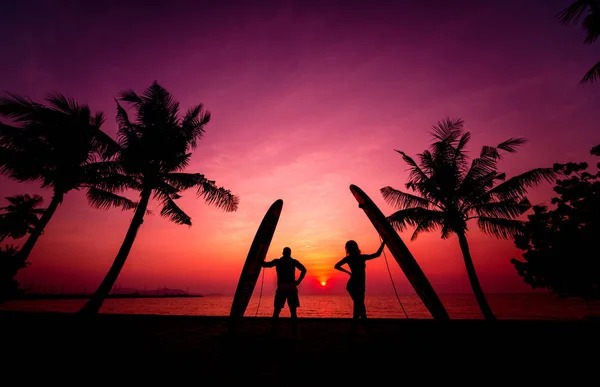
[
  {"x": 377, "y": 253},
  {"x": 302, "y": 269},
  {"x": 338, "y": 266},
  {"x": 269, "y": 263}
]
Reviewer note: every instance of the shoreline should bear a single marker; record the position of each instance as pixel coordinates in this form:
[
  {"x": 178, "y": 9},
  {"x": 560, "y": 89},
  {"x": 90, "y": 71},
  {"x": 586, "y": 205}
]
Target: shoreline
[
  {"x": 201, "y": 345},
  {"x": 87, "y": 296}
]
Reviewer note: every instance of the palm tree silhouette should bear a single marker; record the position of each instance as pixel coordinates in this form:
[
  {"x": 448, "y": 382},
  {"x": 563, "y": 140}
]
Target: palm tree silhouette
[
  {"x": 9, "y": 266},
  {"x": 61, "y": 145},
  {"x": 591, "y": 25},
  {"x": 20, "y": 216},
  {"x": 451, "y": 192},
  {"x": 155, "y": 149}
]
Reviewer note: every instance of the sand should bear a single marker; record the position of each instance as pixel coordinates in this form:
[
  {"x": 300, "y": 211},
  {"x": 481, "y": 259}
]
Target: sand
[{"x": 66, "y": 347}]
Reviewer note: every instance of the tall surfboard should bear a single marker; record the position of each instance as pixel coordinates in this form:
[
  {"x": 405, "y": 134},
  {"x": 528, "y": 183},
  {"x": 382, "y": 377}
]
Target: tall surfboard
[
  {"x": 256, "y": 255},
  {"x": 402, "y": 255}
]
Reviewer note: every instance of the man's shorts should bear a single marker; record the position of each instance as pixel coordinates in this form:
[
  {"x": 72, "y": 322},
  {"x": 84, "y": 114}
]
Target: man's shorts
[{"x": 287, "y": 293}]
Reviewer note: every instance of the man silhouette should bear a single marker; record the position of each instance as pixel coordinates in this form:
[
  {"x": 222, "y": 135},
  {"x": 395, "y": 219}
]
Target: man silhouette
[{"x": 287, "y": 284}]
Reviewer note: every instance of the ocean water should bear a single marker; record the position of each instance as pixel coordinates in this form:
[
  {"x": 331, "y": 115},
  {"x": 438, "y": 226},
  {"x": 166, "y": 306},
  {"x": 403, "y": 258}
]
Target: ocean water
[{"x": 459, "y": 306}]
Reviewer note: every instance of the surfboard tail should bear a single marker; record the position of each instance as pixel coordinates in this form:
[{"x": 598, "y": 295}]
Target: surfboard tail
[{"x": 256, "y": 255}]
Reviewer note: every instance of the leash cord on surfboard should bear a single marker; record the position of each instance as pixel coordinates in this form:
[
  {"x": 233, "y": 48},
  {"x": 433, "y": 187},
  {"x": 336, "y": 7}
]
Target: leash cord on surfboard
[
  {"x": 392, "y": 279},
  {"x": 260, "y": 294}
]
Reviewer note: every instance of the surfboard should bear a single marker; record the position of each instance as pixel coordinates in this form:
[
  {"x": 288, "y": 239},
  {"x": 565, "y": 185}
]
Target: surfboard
[
  {"x": 256, "y": 255},
  {"x": 402, "y": 255}
]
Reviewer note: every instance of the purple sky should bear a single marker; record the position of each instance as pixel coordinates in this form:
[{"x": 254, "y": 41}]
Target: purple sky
[{"x": 306, "y": 98}]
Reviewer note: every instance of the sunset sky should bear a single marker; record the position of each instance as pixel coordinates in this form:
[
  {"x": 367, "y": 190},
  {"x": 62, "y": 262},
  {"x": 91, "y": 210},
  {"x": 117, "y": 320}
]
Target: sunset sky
[{"x": 306, "y": 99}]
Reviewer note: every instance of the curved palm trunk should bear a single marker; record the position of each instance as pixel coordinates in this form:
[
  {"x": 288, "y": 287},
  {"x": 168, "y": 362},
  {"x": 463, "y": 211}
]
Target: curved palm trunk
[
  {"x": 24, "y": 252},
  {"x": 95, "y": 302},
  {"x": 483, "y": 304}
]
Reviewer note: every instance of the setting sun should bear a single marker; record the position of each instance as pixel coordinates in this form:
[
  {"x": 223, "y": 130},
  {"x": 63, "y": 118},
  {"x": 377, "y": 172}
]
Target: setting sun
[{"x": 323, "y": 283}]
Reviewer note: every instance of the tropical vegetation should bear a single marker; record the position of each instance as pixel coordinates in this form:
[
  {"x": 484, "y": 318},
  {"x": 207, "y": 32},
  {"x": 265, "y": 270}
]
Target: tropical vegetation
[
  {"x": 560, "y": 244},
  {"x": 61, "y": 146},
  {"x": 20, "y": 217},
  {"x": 154, "y": 150},
  {"x": 448, "y": 191},
  {"x": 588, "y": 13}
]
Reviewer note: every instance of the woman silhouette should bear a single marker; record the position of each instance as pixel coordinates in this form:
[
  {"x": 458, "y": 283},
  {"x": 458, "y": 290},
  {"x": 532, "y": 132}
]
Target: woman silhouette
[{"x": 356, "y": 284}]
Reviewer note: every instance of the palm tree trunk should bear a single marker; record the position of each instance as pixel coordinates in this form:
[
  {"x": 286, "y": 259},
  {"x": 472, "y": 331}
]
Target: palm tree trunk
[
  {"x": 95, "y": 302},
  {"x": 483, "y": 304},
  {"x": 25, "y": 250}
]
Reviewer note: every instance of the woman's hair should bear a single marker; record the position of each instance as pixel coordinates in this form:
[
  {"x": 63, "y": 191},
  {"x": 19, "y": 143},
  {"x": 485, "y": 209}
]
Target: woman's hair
[{"x": 352, "y": 247}]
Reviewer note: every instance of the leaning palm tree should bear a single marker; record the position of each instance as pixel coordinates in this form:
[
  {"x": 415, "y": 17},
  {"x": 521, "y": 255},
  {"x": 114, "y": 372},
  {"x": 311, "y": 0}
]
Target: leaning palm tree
[
  {"x": 61, "y": 146},
  {"x": 9, "y": 266},
  {"x": 591, "y": 25},
  {"x": 448, "y": 192},
  {"x": 155, "y": 149},
  {"x": 20, "y": 216}
]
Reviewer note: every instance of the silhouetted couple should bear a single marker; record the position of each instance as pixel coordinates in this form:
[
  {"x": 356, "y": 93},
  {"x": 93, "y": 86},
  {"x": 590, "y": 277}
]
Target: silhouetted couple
[
  {"x": 356, "y": 261},
  {"x": 287, "y": 285}
]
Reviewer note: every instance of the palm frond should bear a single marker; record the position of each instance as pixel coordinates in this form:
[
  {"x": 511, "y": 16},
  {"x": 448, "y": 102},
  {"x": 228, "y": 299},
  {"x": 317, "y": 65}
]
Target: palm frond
[
  {"x": 448, "y": 129},
  {"x": 460, "y": 156},
  {"x": 500, "y": 227},
  {"x": 508, "y": 209},
  {"x": 67, "y": 105},
  {"x": 165, "y": 191},
  {"x": 105, "y": 145},
  {"x": 176, "y": 163},
  {"x": 18, "y": 108},
  {"x": 171, "y": 211},
  {"x": 130, "y": 97},
  {"x": 193, "y": 124},
  {"x": 516, "y": 187},
  {"x": 103, "y": 168},
  {"x": 97, "y": 120},
  {"x": 402, "y": 200},
  {"x": 127, "y": 134},
  {"x": 218, "y": 196},
  {"x": 158, "y": 105},
  {"x": 592, "y": 75},
  {"x": 419, "y": 181},
  {"x": 416, "y": 174},
  {"x": 511, "y": 144},
  {"x": 573, "y": 13},
  {"x": 18, "y": 166},
  {"x": 428, "y": 163},
  {"x": 114, "y": 182},
  {"x": 591, "y": 25},
  {"x": 424, "y": 226},
  {"x": 183, "y": 181},
  {"x": 122, "y": 116},
  {"x": 414, "y": 216},
  {"x": 24, "y": 200},
  {"x": 8, "y": 134},
  {"x": 104, "y": 200}
]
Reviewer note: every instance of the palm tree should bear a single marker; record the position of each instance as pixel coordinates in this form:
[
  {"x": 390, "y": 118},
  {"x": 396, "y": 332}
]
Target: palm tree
[
  {"x": 451, "y": 192},
  {"x": 9, "y": 287},
  {"x": 155, "y": 149},
  {"x": 61, "y": 145},
  {"x": 20, "y": 216},
  {"x": 591, "y": 25}
]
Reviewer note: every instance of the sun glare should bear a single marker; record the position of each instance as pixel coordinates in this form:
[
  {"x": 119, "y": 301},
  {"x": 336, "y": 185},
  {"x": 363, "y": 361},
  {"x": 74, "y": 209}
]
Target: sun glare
[{"x": 323, "y": 283}]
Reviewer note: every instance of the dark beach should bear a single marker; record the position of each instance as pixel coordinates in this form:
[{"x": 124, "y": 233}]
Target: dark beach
[{"x": 66, "y": 348}]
